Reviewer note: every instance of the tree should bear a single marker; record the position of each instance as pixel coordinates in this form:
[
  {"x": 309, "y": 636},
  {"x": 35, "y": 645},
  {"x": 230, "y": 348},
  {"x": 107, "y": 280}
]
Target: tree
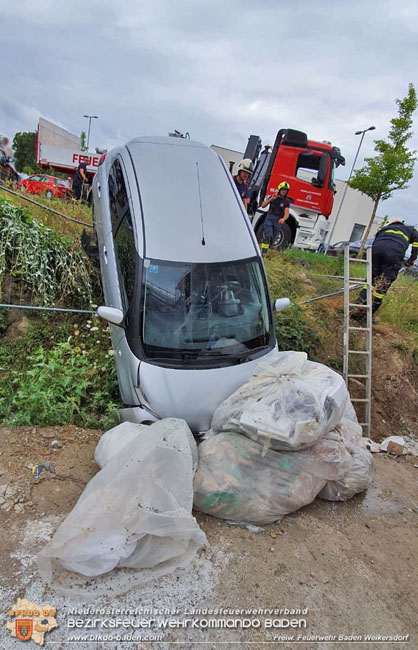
[
  {"x": 393, "y": 166},
  {"x": 24, "y": 147},
  {"x": 83, "y": 145}
]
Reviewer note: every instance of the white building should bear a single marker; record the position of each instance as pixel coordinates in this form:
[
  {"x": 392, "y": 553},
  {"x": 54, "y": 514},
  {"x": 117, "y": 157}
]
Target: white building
[
  {"x": 230, "y": 156},
  {"x": 354, "y": 216}
]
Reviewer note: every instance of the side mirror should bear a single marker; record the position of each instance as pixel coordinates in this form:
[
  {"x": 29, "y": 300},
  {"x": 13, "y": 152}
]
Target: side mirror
[
  {"x": 280, "y": 304},
  {"x": 111, "y": 315},
  {"x": 323, "y": 168}
]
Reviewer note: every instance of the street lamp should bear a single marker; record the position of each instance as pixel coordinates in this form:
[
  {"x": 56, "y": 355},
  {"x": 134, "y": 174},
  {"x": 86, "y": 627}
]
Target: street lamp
[
  {"x": 90, "y": 118},
  {"x": 371, "y": 128}
]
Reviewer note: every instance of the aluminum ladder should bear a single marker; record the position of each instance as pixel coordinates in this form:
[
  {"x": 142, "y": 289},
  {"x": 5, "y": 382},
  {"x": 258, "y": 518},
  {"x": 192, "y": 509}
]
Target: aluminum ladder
[{"x": 365, "y": 377}]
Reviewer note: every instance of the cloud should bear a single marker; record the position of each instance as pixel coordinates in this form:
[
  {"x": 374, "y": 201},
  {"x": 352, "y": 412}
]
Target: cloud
[{"x": 220, "y": 70}]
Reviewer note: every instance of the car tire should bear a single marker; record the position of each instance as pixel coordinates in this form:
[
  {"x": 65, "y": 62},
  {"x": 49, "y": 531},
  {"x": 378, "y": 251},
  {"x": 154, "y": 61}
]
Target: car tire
[
  {"x": 284, "y": 240},
  {"x": 48, "y": 194}
]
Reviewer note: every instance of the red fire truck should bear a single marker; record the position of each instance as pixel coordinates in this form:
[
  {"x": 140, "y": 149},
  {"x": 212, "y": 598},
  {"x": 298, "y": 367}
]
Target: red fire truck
[{"x": 308, "y": 167}]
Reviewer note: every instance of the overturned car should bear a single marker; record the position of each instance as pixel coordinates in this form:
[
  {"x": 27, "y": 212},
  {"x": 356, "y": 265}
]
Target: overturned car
[{"x": 184, "y": 284}]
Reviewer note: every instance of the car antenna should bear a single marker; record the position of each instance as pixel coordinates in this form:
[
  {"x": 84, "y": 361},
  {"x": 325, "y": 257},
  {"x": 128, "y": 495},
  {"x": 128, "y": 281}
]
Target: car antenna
[{"x": 200, "y": 201}]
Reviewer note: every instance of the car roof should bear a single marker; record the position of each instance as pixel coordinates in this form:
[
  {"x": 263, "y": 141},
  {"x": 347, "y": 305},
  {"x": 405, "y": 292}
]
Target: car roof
[{"x": 188, "y": 196}]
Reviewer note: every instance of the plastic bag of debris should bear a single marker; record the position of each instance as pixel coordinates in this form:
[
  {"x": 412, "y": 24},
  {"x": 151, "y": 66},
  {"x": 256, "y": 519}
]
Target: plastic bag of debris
[
  {"x": 360, "y": 475},
  {"x": 114, "y": 440},
  {"x": 135, "y": 513},
  {"x": 287, "y": 405},
  {"x": 238, "y": 480},
  {"x": 356, "y": 480}
]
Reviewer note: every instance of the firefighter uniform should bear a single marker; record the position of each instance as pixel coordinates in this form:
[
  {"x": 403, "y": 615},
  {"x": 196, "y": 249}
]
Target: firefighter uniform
[
  {"x": 277, "y": 210},
  {"x": 388, "y": 253}
]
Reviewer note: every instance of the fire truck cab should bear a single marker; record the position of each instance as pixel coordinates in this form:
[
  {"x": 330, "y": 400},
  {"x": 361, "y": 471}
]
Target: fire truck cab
[{"x": 308, "y": 166}]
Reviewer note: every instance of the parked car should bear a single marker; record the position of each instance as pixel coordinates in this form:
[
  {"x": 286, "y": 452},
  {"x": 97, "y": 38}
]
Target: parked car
[
  {"x": 184, "y": 283},
  {"x": 48, "y": 185},
  {"x": 354, "y": 247}
]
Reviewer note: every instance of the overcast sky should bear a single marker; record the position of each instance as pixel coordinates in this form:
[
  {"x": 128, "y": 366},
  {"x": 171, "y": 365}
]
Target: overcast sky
[{"x": 220, "y": 69}]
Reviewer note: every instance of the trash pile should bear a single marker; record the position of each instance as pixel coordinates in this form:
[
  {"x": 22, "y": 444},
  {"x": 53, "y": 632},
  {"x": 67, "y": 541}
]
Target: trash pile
[
  {"x": 395, "y": 445},
  {"x": 288, "y": 435}
]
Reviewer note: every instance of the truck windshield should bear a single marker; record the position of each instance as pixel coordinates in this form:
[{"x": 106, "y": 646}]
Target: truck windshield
[{"x": 194, "y": 311}]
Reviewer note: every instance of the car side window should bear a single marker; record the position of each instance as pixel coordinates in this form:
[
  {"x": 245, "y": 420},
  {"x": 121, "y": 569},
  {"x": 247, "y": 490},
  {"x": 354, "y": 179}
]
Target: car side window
[
  {"x": 118, "y": 196},
  {"x": 123, "y": 233}
]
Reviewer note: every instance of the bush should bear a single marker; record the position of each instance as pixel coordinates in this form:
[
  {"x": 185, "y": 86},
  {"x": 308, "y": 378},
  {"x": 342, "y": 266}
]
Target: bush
[
  {"x": 59, "y": 386},
  {"x": 294, "y": 332}
]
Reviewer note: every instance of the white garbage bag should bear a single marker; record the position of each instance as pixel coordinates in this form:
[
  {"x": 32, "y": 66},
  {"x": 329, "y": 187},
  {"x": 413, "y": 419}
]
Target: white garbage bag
[
  {"x": 114, "y": 440},
  {"x": 360, "y": 475},
  {"x": 288, "y": 405},
  {"x": 135, "y": 513},
  {"x": 356, "y": 480},
  {"x": 238, "y": 480}
]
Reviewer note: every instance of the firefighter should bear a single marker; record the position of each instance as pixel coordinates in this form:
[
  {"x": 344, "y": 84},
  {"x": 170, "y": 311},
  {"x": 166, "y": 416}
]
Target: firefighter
[
  {"x": 388, "y": 252},
  {"x": 245, "y": 169},
  {"x": 278, "y": 213},
  {"x": 80, "y": 178}
]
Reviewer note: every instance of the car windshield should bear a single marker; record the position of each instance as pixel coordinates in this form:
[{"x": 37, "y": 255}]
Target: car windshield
[
  {"x": 203, "y": 311},
  {"x": 60, "y": 181}
]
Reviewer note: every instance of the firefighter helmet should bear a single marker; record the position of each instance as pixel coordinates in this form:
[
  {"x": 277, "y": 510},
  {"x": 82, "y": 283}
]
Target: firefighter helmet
[
  {"x": 283, "y": 186},
  {"x": 246, "y": 165}
]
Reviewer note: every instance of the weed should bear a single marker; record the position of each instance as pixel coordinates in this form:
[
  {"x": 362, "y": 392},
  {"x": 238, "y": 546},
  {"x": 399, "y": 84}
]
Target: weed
[
  {"x": 61, "y": 385},
  {"x": 294, "y": 331},
  {"x": 4, "y": 316},
  {"x": 74, "y": 210},
  {"x": 399, "y": 308},
  {"x": 47, "y": 264}
]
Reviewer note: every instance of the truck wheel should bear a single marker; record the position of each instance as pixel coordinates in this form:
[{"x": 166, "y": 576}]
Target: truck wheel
[{"x": 284, "y": 240}]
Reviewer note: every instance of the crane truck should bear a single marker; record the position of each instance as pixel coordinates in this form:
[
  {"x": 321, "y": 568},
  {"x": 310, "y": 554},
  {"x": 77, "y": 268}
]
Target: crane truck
[{"x": 308, "y": 166}]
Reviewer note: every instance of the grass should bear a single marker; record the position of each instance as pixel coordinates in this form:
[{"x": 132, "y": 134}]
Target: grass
[
  {"x": 75, "y": 210},
  {"x": 399, "y": 308},
  {"x": 317, "y": 327}
]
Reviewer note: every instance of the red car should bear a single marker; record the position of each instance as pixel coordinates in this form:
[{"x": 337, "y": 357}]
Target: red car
[{"x": 48, "y": 185}]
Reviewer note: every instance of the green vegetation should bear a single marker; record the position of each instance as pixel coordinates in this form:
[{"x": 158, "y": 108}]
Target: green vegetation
[
  {"x": 317, "y": 327},
  {"x": 399, "y": 308},
  {"x": 59, "y": 372},
  {"x": 59, "y": 368},
  {"x": 74, "y": 210},
  {"x": 392, "y": 167},
  {"x": 24, "y": 147},
  {"x": 51, "y": 269}
]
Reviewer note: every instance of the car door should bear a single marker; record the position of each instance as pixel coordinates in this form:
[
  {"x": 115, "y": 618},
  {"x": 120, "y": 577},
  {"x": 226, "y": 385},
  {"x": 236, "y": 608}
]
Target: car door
[
  {"x": 120, "y": 268},
  {"x": 33, "y": 184}
]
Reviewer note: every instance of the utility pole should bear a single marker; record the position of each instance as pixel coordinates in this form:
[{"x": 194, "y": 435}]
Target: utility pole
[
  {"x": 371, "y": 128},
  {"x": 90, "y": 118}
]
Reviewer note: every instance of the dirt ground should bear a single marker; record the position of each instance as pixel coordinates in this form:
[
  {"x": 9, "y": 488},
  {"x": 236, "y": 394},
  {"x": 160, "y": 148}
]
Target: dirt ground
[{"x": 352, "y": 565}]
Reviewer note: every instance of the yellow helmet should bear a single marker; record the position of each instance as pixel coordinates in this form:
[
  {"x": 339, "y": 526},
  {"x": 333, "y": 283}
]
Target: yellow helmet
[{"x": 283, "y": 186}]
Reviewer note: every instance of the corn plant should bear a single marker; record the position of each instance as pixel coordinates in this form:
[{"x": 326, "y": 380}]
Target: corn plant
[{"x": 47, "y": 264}]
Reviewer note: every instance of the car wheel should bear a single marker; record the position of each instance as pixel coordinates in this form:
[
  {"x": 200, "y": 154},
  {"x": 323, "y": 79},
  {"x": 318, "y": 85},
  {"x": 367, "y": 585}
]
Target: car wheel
[
  {"x": 284, "y": 239},
  {"x": 48, "y": 194}
]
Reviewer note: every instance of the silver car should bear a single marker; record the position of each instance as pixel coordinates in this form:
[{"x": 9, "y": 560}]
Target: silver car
[{"x": 184, "y": 284}]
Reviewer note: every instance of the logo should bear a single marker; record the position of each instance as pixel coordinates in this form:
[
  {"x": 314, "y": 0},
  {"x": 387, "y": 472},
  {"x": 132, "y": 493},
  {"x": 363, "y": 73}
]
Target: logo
[
  {"x": 32, "y": 621},
  {"x": 24, "y": 628},
  {"x": 309, "y": 197}
]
